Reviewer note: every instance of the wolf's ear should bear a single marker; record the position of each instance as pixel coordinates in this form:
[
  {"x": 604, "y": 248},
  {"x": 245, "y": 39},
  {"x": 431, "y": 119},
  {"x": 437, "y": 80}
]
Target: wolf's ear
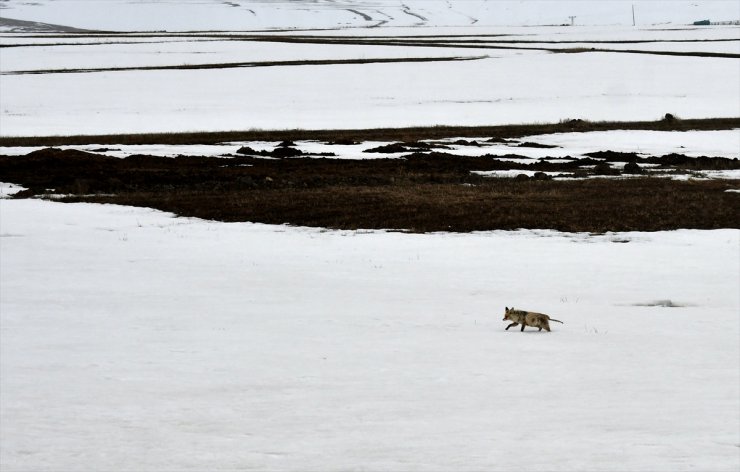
[{"x": 507, "y": 308}]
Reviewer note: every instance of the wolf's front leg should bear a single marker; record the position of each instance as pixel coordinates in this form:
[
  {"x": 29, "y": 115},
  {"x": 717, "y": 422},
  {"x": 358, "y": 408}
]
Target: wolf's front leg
[
  {"x": 523, "y": 325},
  {"x": 512, "y": 324}
]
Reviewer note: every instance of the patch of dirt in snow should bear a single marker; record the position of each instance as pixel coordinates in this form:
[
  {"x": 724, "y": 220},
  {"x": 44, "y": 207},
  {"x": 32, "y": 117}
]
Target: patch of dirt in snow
[
  {"x": 664, "y": 303},
  {"x": 416, "y": 192}
]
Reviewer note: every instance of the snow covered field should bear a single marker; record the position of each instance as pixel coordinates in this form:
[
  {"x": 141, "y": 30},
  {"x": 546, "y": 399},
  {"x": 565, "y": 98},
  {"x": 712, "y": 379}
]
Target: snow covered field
[
  {"x": 134, "y": 340},
  {"x": 501, "y": 89},
  {"x": 183, "y": 15},
  {"x": 137, "y": 341},
  {"x": 505, "y": 86},
  {"x": 167, "y": 53}
]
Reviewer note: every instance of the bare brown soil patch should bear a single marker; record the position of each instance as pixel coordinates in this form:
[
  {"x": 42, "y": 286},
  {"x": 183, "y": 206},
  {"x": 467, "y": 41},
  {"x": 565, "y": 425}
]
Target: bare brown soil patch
[{"x": 420, "y": 192}]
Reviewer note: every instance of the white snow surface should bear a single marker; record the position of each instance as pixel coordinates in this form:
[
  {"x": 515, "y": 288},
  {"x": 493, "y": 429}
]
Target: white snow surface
[
  {"x": 507, "y": 86},
  {"x": 175, "y": 53},
  {"x": 133, "y": 340},
  {"x": 526, "y": 88},
  {"x": 725, "y": 143},
  {"x": 8, "y": 189},
  {"x": 156, "y": 15}
]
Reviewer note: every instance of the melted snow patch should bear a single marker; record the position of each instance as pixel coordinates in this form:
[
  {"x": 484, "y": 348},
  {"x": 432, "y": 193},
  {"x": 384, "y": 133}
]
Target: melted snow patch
[
  {"x": 8, "y": 189},
  {"x": 512, "y": 173}
]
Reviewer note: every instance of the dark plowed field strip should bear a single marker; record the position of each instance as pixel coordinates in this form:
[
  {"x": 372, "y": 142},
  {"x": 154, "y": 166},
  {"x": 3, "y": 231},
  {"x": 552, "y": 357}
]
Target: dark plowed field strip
[
  {"x": 236, "y": 65},
  {"x": 418, "y": 193}
]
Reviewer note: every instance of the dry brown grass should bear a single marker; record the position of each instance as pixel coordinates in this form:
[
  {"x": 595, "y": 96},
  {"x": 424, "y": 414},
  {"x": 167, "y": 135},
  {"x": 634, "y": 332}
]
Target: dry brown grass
[
  {"x": 592, "y": 205},
  {"x": 419, "y": 193}
]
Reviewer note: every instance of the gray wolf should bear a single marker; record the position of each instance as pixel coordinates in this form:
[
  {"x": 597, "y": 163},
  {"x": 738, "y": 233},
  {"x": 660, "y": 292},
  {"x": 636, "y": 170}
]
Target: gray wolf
[{"x": 528, "y": 318}]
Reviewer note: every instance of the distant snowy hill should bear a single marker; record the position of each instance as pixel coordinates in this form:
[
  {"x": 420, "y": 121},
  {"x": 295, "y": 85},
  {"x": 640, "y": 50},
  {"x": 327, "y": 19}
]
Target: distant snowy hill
[{"x": 184, "y": 15}]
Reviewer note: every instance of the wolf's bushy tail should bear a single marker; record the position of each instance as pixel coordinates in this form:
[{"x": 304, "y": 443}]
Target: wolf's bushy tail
[{"x": 553, "y": 319}]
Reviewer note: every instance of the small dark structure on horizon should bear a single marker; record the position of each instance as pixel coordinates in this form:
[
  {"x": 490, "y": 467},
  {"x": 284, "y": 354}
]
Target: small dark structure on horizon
[{"x": 717, "y": 23}]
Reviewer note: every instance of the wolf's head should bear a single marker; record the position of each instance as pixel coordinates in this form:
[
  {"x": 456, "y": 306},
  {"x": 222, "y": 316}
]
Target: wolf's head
[{"x": 507, "y": 313}]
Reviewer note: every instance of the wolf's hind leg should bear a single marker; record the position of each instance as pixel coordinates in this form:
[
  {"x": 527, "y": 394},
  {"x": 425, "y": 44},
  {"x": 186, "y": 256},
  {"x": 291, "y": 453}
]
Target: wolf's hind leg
[{"x": 512, "y": 324}]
